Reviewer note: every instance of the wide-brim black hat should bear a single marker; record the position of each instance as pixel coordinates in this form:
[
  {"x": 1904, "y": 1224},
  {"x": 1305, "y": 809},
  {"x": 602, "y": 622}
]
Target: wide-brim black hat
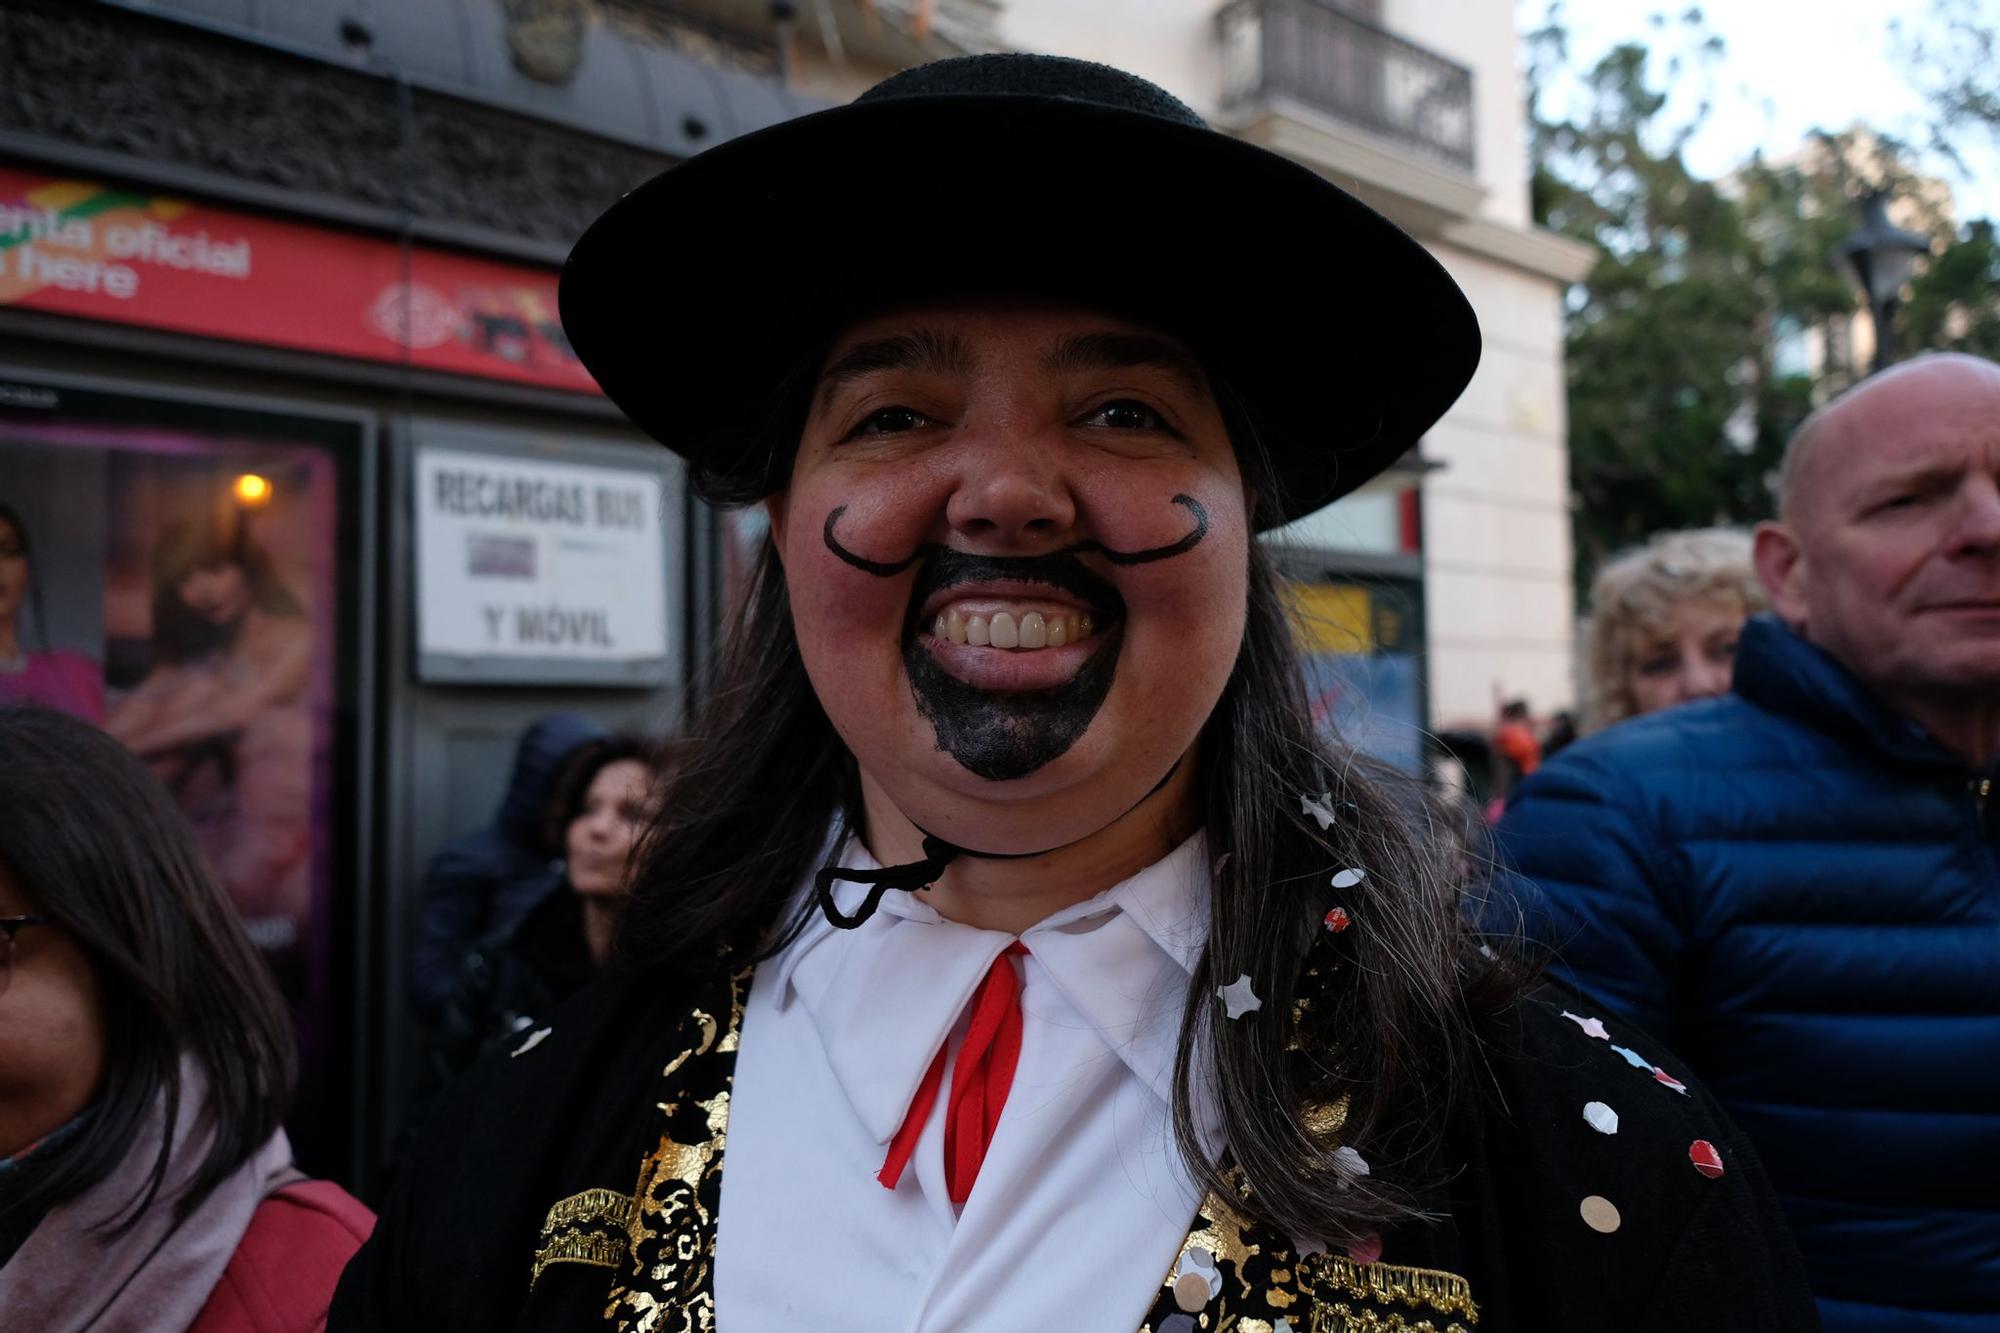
[{"x": 693, "y": 297}]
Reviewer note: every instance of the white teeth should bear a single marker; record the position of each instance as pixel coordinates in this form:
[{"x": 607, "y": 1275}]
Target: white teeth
[{"x": 1003, "y": 629}]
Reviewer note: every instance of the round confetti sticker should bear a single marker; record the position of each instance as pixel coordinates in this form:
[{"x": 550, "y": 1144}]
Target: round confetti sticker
[
  {"x": 1600, "y": 1117},
  {"x": 1365, "y": 1250},
  {"x": 1600, "y": 1214},
  {"x": 1337, "y": 920},
  {"x": 1706, "y": 1159}
]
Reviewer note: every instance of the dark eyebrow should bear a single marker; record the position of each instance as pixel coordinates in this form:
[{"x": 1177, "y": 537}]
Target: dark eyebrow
[
  {"x": 923, "y": 350},
  {"x": 1120, "y": 351}
]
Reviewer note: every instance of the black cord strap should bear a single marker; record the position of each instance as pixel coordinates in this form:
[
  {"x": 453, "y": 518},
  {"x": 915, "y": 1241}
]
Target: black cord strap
[
  {"x": 916, "y": 875},
  {"x": 922, "y": 874}
]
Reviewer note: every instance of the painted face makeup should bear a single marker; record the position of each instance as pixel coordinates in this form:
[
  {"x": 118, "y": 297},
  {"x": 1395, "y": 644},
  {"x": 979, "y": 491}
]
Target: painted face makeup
[
  {"x": 1015, "y": 543},
  {"x": 1001, "y": 735}
]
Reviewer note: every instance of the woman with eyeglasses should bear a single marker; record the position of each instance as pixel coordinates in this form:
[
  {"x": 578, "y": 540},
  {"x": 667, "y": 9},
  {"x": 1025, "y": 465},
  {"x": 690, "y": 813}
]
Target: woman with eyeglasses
[{"x": 145, "y": 1066}]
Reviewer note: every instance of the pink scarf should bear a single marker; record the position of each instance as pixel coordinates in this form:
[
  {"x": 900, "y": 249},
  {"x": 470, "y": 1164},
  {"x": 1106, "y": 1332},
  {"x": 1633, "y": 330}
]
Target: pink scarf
[{"x": 68, "y": 1277}]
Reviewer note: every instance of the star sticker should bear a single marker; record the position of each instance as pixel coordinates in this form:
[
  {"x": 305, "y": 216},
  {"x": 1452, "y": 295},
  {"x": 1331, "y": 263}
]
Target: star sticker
[
  {"x": 1237, "y": 997},
  {"x": 1592, "y": 1027},
  {"x": 1320, "y": 808},
  {"x": 1348, "y": 878}
]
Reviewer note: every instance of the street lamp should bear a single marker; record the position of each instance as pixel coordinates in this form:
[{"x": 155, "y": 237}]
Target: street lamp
[{"x": 1882, "y": 255}]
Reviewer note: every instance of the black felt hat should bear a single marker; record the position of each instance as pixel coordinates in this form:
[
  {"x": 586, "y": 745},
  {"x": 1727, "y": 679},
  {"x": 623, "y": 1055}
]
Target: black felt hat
[{"x": 693, "y": 296}]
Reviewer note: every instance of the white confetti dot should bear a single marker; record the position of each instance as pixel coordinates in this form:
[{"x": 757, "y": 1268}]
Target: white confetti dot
[
  {"x": 1348, "y": 878},
  {"x": 535, "y": 1038},
  {"x": 1601, "y": 1117}
]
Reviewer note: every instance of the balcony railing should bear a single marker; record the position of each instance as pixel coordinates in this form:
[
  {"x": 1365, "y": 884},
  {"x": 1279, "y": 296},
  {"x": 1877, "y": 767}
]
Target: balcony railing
[{"x": 1318, "y": 54}]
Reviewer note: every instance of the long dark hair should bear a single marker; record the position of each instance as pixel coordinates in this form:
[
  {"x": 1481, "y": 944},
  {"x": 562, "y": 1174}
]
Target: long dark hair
[
  {"x": 179, "y": 635},
  {"x": 12, "y": 519},
  {"x": 95, "y": 843},
  {"x": 579, "y": 768},
  {"x": 1365, "y": 1037}
]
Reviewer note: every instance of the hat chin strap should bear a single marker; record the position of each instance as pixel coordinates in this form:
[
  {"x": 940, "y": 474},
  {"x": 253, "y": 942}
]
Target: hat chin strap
[{"x": 922, "y": 873}]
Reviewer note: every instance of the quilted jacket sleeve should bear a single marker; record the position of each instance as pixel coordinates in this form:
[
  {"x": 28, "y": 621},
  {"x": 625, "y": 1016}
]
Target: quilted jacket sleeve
[{"x": 1595, "y": 886}]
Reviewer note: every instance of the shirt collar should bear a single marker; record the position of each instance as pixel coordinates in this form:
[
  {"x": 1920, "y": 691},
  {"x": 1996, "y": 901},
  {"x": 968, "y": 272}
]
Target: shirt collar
[{"x": 886, "y": 995}]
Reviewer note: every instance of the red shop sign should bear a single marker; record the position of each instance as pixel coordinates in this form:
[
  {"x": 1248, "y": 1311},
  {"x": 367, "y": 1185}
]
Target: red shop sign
[{"x": 76, "y": 247}]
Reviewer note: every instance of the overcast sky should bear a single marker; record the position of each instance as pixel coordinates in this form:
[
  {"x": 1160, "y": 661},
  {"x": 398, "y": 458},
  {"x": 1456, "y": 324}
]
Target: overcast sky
[{"x": 1789, "y": 68}]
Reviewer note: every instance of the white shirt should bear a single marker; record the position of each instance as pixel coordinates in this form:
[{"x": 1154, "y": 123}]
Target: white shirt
[{"x": 1082, "y": 1203}]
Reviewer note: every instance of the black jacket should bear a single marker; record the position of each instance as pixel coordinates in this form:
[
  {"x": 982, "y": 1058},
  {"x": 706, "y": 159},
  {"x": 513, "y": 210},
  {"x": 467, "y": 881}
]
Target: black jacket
[{"x": 580, "y": 1172}]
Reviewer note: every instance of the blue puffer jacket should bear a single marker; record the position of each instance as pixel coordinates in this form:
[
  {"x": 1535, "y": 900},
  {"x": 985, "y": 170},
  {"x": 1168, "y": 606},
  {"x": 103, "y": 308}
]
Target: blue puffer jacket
[{"x": 1798, "y": 890}]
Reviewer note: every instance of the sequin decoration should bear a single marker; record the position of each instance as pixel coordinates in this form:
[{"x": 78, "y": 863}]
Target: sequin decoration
[
  {"x": 1238, "y": 998},
  {"x": 1600, "y": 1214},
  {"x": 1337, "y": 920},
  {"x": 1706, "y": 1159},
  {"x": 1592, "y": 1027},
  {"x": 1348, "y": 878},
  {"x": 1634, "y": 1059},
  {"x": 535, "y": 1038},
  {"x": 1600, "y": 1117}
]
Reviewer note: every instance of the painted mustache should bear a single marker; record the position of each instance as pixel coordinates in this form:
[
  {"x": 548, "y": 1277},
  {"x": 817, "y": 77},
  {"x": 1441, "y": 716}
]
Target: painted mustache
[{"x": 1014, "y": 566}]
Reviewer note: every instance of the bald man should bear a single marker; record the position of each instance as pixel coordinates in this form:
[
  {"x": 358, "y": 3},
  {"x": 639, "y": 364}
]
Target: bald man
[{"x": 1797, "y": 884}]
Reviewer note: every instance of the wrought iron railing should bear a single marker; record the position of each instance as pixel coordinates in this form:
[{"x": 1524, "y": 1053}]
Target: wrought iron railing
[{"x": 1317, "y": 53}]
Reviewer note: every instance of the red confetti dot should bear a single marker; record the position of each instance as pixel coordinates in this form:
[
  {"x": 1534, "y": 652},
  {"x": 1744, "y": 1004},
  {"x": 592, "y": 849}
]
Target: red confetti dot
[
  {"x": 1337, "y": 920},
  {"x": 1365, "y": 1250},
  {"x": 1706, "y": 1159}
]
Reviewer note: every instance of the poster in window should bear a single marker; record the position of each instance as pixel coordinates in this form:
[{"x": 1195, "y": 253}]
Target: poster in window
[{"x": 171, "y": 573}]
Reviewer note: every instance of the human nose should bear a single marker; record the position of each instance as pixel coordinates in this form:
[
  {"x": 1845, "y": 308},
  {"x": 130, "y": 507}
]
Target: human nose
[
  {"x": 1011, "y": 491},
  {"x": 1979, "y": 519},
  {"x": 1701, "y": 679}
]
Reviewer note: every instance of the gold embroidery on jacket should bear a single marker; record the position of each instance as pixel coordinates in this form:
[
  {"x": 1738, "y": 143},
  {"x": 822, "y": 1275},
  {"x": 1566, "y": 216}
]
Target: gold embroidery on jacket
[
  {"x": 1256, "y": 1280},
  {"x": 668, "y": 1283},
  {"x": 593, "y": 1228},
  {"x": 1430, "y": 1288}
]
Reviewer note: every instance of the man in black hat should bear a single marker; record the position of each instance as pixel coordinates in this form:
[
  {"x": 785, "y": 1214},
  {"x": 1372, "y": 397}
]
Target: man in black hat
[{"x": 1010, "y": 932}]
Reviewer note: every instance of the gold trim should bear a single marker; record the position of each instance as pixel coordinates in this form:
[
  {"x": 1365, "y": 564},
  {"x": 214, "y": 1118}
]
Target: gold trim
[
  {"x": 1430, "y": 1288},
  {"x": 1344, "y": 1318},
  {"x": 593, "y": 1227}
]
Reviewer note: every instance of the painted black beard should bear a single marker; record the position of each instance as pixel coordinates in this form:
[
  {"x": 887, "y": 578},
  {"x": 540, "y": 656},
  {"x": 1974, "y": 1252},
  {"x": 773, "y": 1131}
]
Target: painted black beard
[{"x": 1001, "y": 736}]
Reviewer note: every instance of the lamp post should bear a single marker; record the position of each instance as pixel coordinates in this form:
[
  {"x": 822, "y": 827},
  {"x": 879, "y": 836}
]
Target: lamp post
[{"x": 1882, "y": 255}]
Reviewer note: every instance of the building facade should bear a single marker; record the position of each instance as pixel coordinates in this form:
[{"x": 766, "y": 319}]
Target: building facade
[{"x": 277, "y": 295}]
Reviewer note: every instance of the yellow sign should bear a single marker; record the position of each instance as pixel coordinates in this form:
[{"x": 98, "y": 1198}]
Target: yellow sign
[{"x": 1333, "y": 617}]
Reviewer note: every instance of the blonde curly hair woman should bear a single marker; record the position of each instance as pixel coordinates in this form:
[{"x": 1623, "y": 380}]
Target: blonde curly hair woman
[{"x": 1664, "y": 621}]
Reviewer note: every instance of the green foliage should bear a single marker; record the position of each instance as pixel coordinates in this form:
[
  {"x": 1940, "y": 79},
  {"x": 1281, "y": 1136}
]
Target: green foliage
[{"x": 1717, "y": 313}]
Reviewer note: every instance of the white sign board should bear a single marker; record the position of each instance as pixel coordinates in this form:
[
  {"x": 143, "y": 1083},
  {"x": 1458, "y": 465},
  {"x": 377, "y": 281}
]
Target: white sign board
[{"x": 561, "y": 563}]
